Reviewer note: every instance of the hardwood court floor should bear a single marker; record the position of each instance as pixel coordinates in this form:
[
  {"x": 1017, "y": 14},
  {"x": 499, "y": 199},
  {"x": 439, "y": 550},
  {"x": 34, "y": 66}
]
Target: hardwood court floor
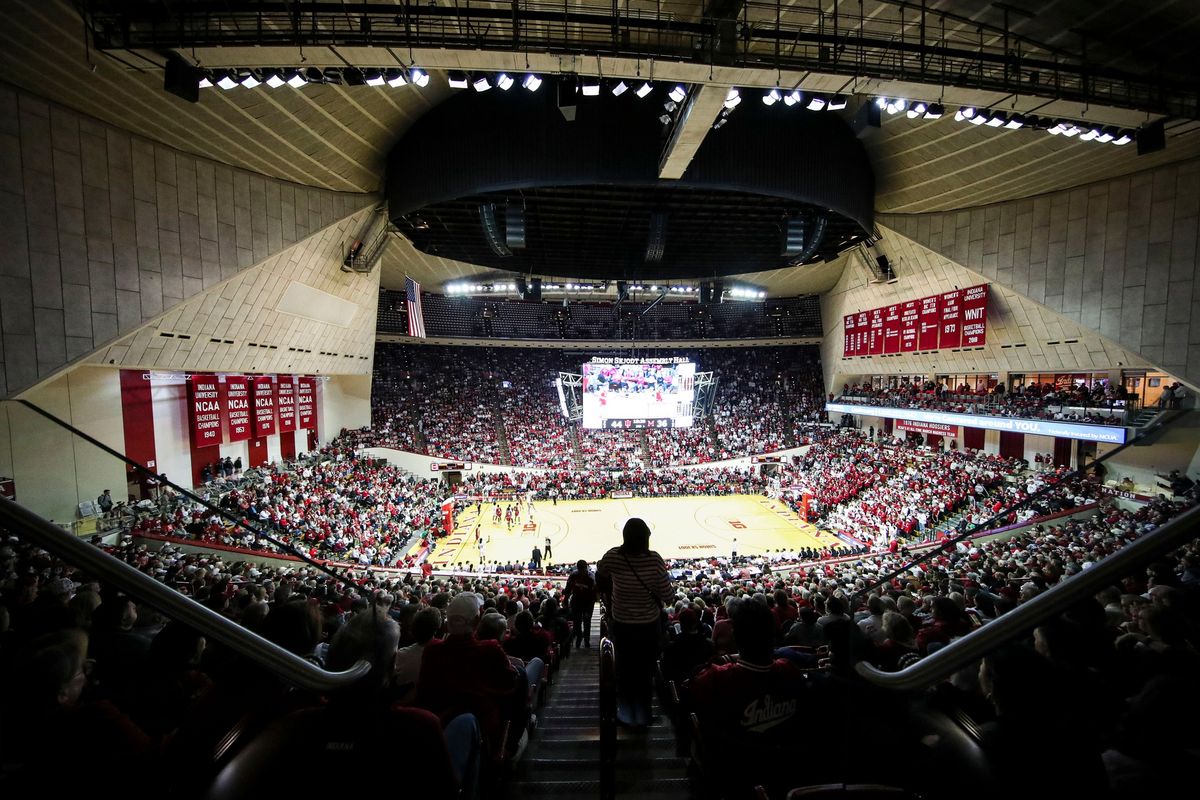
[{"x": 681, "y": 527}]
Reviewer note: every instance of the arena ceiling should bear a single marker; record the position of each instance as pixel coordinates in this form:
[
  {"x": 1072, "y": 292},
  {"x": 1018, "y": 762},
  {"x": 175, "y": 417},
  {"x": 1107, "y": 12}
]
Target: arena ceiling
[{"x": 338, "y": 137}]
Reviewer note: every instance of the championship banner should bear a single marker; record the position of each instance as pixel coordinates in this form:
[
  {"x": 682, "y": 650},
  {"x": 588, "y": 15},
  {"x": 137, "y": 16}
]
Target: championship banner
[
  {"x": 204, "y": 410},
  {"x": 910, "y": 316},
  {"x": 448, "y": 515},
  {"x": 974, "y": 314},
  {"x": 235, "y": 397},
  {"x": 263, "y": 390},
  {"x": 927, "y": 331},
  {"x": 306, "y": 403},
  {"x": 285, "y": 402},
  {"x": 849, "y": 341},
  {"x": 891, "y": 329},
  {"x": 875, "y": 343},
  {"x": 935, "y": 428},
  {"x": 950, "y": 335}
]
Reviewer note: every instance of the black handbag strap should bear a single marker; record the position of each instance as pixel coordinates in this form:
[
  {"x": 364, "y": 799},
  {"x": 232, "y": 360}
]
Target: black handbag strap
[{"x": 653, "y": 597}]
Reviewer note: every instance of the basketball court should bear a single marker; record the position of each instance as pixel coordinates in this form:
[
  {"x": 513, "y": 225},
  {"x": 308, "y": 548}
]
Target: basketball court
[{"x": 682, "y": 527}]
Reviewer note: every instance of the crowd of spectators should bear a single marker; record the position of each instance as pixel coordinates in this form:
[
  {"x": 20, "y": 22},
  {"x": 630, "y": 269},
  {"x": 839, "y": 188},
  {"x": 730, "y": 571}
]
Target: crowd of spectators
[
  {"x": 458, "y": 402},
  {"x": 1103, "y": 402}
]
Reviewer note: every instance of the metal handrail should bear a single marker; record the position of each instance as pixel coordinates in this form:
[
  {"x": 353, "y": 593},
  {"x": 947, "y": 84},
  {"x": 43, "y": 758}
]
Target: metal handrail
[
  {"x": 1028, "y": 616},
  {"x": 608, "y": 719},
  {"x": 128, "y": 579},
  {"x": 237, "y": 521}
]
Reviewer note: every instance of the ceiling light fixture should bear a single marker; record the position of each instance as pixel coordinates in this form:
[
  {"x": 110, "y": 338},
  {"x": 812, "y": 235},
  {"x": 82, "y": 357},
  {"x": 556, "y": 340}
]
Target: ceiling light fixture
[
  {"x": 374, "y": 77},
  {"x": 772, "y": 97},
  {"x": 532, "y": 82},
  {"x": 678, "y": 93},
  {"x": 732, "y": 97},
  {"x": 1014, "y": 122},
  {"x": 964, "y": 113},
  {"x": 504, "y": 81},
  {"x": 665, "y": 119},
  {"x": 250, "y": 81},
  {"x": 418, "y": 77},
  {"x": 1125, "y": 138},
  {"x": 816, "y": 103},
  {"x": 915, "y": 110},
  {"x": 275, "y": 79},
  {"x": 935, "y": 111},
  {"x": 644, "y": 89},
  {"x": 205, "y": 81},
  {"x": 791, "y": 98},
  {"x": 836, "y": 103},
  {"x": 226, "y": 81},
  {"x": 482, "y": 84},
  {"x": 458, "y": 80},
  {"x": 620, "y": 88},
  {"x": 591, "y": 87},
  {"x": 395, "y": 78}
]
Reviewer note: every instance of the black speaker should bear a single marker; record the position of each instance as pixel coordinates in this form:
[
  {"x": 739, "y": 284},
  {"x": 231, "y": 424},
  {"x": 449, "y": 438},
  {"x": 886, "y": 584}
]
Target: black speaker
[
  {"x": 794, "y": 236},
  {"x": 522, "y": 287},
  {"x": 1151, "y": 138},
  {"x": 566, "y": 97},
  {"x": 622, "y": 290},
  {"x": 514, "y": 227},
  {"x": 182, "y": 79},
  {"x": 705, "y": 293},
  {"x": 884, "y": 266},
  {"x": 535, "y": 289},
  {"x": 866, "y": 119}
]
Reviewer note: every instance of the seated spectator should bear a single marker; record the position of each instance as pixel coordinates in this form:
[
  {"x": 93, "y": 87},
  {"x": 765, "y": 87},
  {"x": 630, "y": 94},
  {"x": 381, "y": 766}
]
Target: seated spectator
[
  {"x": 688, "y": 650},
  {"x": 425, "y": 625}
]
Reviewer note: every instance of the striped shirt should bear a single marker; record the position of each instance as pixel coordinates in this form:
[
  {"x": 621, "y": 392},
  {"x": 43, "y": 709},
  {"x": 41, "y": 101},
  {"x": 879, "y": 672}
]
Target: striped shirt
[{"x": 631, "y": 597}]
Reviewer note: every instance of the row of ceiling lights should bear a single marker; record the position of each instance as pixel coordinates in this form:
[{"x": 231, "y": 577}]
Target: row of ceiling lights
[
  {"x": 457, "y": 288},
  {"x": 1009, "y": 120},
  {"x": 299, "y": 78}
]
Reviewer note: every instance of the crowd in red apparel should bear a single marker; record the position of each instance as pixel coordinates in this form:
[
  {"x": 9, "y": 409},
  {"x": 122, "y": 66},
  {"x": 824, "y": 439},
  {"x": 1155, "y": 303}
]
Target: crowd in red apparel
[
  {"x": 1103, "y": 403},
  {"x": 694, "y": 445},
  {"x": 595, "y": 485},
  {"x": 915, "y": 489},
  {"x": 550, "y": 443},
  {"x": 332, "y": 506}
]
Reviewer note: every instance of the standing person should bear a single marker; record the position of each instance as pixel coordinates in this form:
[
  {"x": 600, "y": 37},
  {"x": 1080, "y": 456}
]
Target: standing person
[
  {"x": 580, "y": 593},
  {"x": 536, "y": 560},
  {"x": 549, "y": 554},
  {"x": 634, "y": 578}
]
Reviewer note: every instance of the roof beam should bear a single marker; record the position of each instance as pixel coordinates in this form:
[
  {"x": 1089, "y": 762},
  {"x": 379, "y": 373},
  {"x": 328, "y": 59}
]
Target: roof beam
[{"x": 704, "y": 103}]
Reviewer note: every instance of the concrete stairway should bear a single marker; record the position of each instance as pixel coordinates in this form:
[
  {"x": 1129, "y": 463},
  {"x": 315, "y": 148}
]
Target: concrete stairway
[{"x": 563, "y": 757}]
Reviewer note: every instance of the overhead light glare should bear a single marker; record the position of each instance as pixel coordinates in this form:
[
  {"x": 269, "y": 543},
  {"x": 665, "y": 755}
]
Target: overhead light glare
[
  {"x": 297, "y": 81},
  {"x": 275, "y": 80},
  {"x": 418, "y": 77},
  {"x": 665, "y": 119},
  {"x": 620, "y": 88},
  {"x": 227, "y": 82},
  {"x": 250, "y": 81},
  {"x": 772, "y": 97},
  {"x": 1124, "y": 138},
  {"x": 935, "y": 111},
  {"x": 591, "y": 87},
  {"x": 1014, "y": 122},
  {"x": 816, "y": 103},
  {"x": 532, "y": 82},
  {"x": 792, "y": 97},
  {"x": 482, "y": 84},
  {"x": 1088, "y": 135},
  {"x": 375, "y": 78},
  {"x": 205, "y": 82},
  {"x": 504, "y": 81},
  {"x": 395, "y": 78},
  {"x": 458, "y": 80},
  {"x": 915, "y": 110},
  {"x": 732, "y": 98},
  {"x": 678, "y": 93},
  {"x": 836, "y": 103},
  {"x": 882, "y": 102},
  {"x": 644, "y": 89}
]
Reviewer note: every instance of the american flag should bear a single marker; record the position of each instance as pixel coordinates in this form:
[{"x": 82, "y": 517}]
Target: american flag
[{"x": 416, "y": 318}]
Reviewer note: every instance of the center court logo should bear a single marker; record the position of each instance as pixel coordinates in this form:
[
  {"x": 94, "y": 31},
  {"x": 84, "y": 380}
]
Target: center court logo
[{"x": 763, "y": 714}]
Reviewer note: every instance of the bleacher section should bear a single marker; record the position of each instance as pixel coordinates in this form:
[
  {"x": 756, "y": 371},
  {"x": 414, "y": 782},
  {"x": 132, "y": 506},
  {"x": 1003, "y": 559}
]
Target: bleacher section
[{"x": 463, "y": 317}]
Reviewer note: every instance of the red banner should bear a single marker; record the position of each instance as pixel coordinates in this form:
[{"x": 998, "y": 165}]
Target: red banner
[
  {"x": 949, "y": 320},
  {"x": 974, "y": 314},
  {"x": 235, "y": 397},
  {"x": 849, "y": 341},
  {"x": 951, "y": 328},
  {"x": 891, "y": 329},
  {"x": 804, "y": 500},
  {"x": 875, "y": 340},
  {"x": 285, "y": 402},
  {"x": 927, "y": 334},
  {"x": 936, "y": 428},
  {"x": 204, "y": 410},
  {"x": 306, "y": 403},
  {"x": 264, "y": 406},
  {"x": 910, "y": 317}
]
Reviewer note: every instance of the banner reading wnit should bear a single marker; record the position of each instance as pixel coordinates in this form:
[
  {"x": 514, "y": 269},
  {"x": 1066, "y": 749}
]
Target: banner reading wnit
[{"x": 935, "y": 428}]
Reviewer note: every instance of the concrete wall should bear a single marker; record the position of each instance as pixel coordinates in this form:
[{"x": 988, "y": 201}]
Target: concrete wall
[
  {"x": 344, "y": 401},
  {"x": 1022, "y": 335},
  {"x": 104, "y": 230},
  {"x": 1116, "y": 257}
]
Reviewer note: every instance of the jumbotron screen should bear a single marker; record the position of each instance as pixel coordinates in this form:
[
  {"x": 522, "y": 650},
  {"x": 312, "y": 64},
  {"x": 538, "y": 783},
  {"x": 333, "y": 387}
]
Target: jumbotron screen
[{"x": 626, "y": 393}]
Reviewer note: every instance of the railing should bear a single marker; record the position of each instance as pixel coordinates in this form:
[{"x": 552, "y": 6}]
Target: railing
[
  {"x": 1020, "y": 621},
  {"x": 93, "y": 461},
  {"x": 896, "y": 41},
  {"x": 995, "y": 407},
  {"x": 290, "y": 667},
  {"x": 608, "y": 719}
]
